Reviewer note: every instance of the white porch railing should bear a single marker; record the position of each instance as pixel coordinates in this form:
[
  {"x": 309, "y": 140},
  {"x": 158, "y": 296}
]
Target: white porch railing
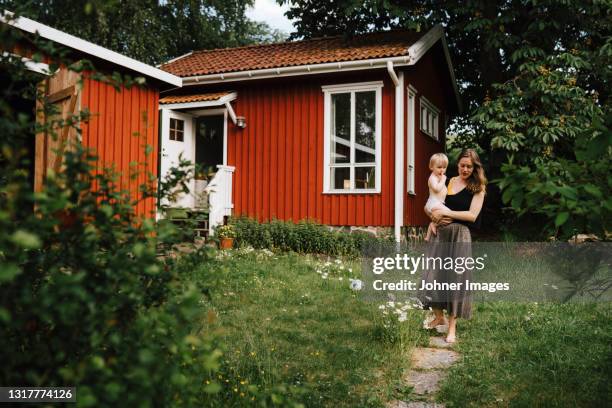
[{"x": 219, "y": 191}]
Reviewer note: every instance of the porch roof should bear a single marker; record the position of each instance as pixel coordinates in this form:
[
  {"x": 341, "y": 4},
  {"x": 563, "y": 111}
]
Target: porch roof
[{"x": 204, "y": 97}]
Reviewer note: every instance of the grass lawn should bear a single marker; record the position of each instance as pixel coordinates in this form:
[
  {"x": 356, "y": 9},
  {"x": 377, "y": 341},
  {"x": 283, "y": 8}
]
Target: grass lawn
[
  {"x": 296, "y": 333},
  {"x": 292, "y": 331},
  {"x": 533, "y": 355}
]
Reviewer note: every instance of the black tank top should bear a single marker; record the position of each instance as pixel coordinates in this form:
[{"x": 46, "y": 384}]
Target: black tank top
[{"x": 462, "y": 202}]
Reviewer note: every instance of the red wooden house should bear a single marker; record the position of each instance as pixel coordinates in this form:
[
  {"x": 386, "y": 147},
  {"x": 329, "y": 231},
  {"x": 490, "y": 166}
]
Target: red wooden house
[
  {"x": 325, "y": 129},
  {"x": 123, "y": 121}
]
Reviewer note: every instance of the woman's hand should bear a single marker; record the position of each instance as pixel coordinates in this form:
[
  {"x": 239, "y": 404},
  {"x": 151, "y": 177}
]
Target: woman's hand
[
  {"x": 439, "y": 217},
  {"x": 436, "y": 216},
  {"x": 444, "y": 221}
]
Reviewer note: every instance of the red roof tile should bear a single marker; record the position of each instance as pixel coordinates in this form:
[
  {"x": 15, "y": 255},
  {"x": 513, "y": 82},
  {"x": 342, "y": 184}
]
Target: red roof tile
[
  {"x": 316, "y": 51},
  {"x": 193, "y": 98}
]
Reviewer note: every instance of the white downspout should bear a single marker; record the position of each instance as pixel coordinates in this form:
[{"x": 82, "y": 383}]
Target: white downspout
[{"x": 398, "y": 81}]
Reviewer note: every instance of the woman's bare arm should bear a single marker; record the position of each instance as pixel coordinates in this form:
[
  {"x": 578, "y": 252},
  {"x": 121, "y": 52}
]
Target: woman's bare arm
[{"x": 471, "y": 214}]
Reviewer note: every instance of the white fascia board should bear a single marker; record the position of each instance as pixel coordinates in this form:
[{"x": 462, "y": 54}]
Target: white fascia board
[
  {"x": 89, "y": 48},
  {"x": 419, "y": 48},
  {"x": 30, "y": 64},
  {"x": 379, "y": 63},
  {"x": 201, "y": 104}
]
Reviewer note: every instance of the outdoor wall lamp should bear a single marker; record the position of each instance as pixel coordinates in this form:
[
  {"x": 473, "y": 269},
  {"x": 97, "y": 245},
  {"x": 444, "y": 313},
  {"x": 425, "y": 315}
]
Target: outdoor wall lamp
[{"x": 241, "y": 122}]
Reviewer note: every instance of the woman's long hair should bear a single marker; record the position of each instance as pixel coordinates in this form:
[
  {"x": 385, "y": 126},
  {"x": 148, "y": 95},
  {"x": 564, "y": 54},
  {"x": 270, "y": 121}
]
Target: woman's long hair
[{"x": 477, "y": 181}]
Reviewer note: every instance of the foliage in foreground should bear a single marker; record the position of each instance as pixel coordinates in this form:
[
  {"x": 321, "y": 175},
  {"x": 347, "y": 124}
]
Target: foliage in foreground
[
  {"x": 301, "y": 237},
  {"x": 85, "y": 300}
]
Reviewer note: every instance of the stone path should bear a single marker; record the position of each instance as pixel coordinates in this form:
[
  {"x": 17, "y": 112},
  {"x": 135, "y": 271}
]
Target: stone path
[{"x": 429, "y": 367}]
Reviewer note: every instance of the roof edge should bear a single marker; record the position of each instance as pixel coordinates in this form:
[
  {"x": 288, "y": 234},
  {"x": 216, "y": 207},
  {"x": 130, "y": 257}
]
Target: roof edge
[
  {"x": 61, "y": 37},
  {"x": 230, "y": 96},
  {"x": 294, "y": 70},
  {"x": 424, "y": 44}
]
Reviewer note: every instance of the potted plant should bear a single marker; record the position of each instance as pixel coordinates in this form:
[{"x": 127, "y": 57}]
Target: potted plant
[{"x": 226, "y": 234}]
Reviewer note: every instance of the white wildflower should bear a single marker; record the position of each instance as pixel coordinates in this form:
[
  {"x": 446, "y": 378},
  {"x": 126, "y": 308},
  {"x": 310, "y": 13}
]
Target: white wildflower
[{"x": 356, "y": 284}]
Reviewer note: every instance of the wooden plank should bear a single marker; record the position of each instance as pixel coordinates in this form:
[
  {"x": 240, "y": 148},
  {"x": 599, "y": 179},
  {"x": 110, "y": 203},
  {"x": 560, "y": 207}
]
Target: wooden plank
[
  {"x": 64, "y": 135},
  {"x": 40, "y": 156},
  {"x": 60, "y": 95}
]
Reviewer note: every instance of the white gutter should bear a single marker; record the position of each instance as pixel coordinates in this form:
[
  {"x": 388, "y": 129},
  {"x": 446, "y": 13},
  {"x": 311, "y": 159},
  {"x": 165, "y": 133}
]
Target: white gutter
[
  {"x": 296, "y": 70},
  {"x": 398, "y": 81},
  {"x": 414, "y": 53},
  {"x": 86, "y": 47}
]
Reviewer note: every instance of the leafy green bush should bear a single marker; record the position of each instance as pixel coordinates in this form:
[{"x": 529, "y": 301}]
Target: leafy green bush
[
  {"x": 302, "y": 237},
  {"x": 85, "y": 298},
  {"x": 555, "y": 133}
]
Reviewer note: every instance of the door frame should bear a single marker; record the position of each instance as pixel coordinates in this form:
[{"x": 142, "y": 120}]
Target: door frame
[{"x": 213, "y": 112}]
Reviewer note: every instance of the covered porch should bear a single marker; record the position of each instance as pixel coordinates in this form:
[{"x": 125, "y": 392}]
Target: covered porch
[{"x": 194, "y": 128}]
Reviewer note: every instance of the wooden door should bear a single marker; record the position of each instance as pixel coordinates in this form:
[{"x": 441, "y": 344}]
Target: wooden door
[
  {"x": 63, "y": 92},
  {"x": 177, "y": 142}
]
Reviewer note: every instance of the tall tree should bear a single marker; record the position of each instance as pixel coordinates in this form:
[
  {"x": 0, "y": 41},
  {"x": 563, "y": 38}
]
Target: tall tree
[{"x": 151, "y": 31}]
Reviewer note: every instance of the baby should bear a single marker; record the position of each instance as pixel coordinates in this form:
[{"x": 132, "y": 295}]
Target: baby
[{"x": 437, "y": 189}]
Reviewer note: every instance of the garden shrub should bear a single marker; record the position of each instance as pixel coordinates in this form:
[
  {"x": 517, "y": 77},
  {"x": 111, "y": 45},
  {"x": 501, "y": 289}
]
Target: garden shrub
[
  {"x": 85, "y": 298},
  {"x": 302, "y": 237}
]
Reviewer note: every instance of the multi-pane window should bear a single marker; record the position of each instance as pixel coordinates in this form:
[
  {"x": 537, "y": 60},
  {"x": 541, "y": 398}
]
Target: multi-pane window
[
  {"x": 177, "y": 129},
  {"x": 429, "y": 118},
  {"x": 352, "y": 137}
]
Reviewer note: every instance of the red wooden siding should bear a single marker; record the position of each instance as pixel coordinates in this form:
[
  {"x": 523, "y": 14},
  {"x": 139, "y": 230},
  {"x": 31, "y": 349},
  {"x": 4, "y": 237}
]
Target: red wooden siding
[
  {"x": 279, "y": 155},
  {"x": 122, "y": 124},
  {"x": 429, "y": 79}
]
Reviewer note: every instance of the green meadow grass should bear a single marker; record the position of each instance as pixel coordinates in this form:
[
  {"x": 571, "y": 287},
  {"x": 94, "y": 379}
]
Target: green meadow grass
[
  {"x": 292, "y": 335},
  {"x": 533, "y": 355}
]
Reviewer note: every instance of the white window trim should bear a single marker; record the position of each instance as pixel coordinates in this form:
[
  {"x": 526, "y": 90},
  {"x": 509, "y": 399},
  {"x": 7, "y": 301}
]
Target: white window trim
[
  {"x": 410, "y": 146},
  {"x": 424, "y": 103},
  {"x": 328, "y": 90}
]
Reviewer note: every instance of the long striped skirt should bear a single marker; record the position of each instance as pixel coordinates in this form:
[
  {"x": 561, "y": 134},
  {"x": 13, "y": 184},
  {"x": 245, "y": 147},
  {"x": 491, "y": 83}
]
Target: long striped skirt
[{"x": 452, "y": 241}]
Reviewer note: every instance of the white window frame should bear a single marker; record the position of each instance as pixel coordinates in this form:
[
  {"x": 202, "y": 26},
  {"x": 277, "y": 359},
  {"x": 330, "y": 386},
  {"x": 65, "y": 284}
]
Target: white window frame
[
  {"x": 328, "y": 91},
  {"x": 429, "y": 125}
]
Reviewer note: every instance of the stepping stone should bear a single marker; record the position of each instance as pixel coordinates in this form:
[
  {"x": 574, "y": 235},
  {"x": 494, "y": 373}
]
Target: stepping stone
[
  {"x": 439, "y": 342},
  {"x": 413, "y": 404},
  {"x": 425, "y": 382},
  {"x": 425, "y": 358}
]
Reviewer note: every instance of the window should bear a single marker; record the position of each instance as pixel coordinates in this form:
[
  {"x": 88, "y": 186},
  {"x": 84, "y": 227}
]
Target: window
[
  {"x": 429, "y": 118},
  {"x": 352, "y": 137},
  {"x": 177, "y": 129}
]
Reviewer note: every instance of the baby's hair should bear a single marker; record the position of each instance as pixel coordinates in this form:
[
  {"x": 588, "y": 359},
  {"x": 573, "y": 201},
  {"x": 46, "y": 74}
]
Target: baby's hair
[{"x": 437, "y": 158}]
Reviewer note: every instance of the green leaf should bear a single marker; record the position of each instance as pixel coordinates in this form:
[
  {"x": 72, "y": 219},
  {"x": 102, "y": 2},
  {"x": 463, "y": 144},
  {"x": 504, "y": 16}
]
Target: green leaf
[
  {"x": 5, "y": 316},
  {"x": 26, "y": 239},
  {"x": 561, "y": 218},
  {"x": 8, "y": 272},
  {"x": 593, "y": 190},
  {"x": 212, "y": 388}
]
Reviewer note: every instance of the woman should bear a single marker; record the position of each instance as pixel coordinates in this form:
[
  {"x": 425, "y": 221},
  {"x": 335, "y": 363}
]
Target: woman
[{"x": 464, "y": 201}]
